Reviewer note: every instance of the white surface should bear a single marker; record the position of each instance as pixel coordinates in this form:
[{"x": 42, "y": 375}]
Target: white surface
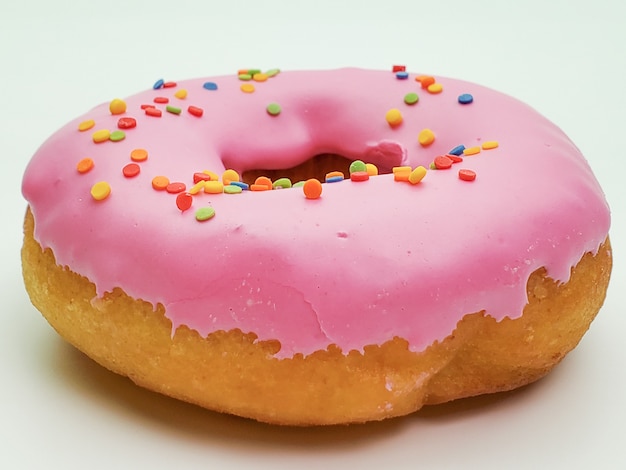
[{"x": 57, "y": 60}]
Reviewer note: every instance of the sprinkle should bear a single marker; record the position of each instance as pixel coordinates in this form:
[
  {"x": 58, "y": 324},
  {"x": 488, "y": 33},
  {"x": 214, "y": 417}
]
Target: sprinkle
[
  {"x": 299, "y": 184},
  {"x": 210, "y": 86},
  {"x": 458, "y": 150},
  {"x": 161, "y": 99},
  {"x": 357, "y": 176},
  {"x": 334, "y": 177},
  {"x": 117, "y": 106},
  {"x": 154, "y": 112},
  {"x": 195, "y": 111},
  {"x": 417, "y": 175},
  {"x": 435, "y": 88},
  {"x": 181, "y": 94},
  {"x": 117, "y": 135},
  {"x": 426, "y": 137},
  {"x": 283, "y": 183},
  {"x": 465, "y": 98},
  {"x": 199, "y": 177},
  {"x": 126, "y": 123},
  {"x": 241, "y": 184},
  {"x": 263, "y": 181},
  {"x": 259, "y": 187},
  {"x": 131, "y": 170},
  {"x": 244, "y": 76},
  {"x": 394, "y": 117},
  {"x": 273, "y": 109},
  {"x": 101, "y": 136},
  {"x": 139, "y": 155},
  {"x": 371, "y": 169},
  {"x": 158, "y": 84},
  {"x": 160, "y": 182},
  {"x": 411, "y": 98},
  {"x": 175, "y": 188},
  {"x": 100, "y": 191},
  {"x": 260, "y": 77},
  {"x": 398, "y": 68},
  {"x": 247, "y": 88},
  {"x": 230, "y": 175},
  {"x": 253, "y": 72},
  {"x": 205, "y": 213},
  {"x": 146, "y": 106},
  {"x": 357, "y": 165},
  {"x": 214, "y": 176},
  {"x": 169, "y": 84},
  {"x": 196, "y": 188},
  {"x": 426, "y": 81},
  {"x": 184, "y": 201},
  {"x": 467, "y": 175},
  {"x": 213, "y": 187},
  {"x": 312, "y": 188},
  {"x": 454, "y": 158},
  {"x": 173, "y": 109},
  {"x": 443, "y": 162},
  {"x": 402, "y": 75},
  {"x": 232, "y": 189},
  {"x": 272, "y": 72},
  {"x": 84, "y": 165},
  {"x": 490, "y": 144},
  {"x": 471, "y": 150},
  {"x": 400, "y": 169},
  {"x": 403, "y": 174},
  {"x": 86, "y": 125}
]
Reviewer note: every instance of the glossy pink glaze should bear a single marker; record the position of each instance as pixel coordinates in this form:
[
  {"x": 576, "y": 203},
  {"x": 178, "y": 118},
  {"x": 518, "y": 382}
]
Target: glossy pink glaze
[{"x": 364, "y": 263}]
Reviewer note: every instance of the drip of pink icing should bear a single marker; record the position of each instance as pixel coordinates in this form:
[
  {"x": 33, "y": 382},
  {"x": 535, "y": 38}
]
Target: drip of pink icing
[{"x": 364, "y": 263}]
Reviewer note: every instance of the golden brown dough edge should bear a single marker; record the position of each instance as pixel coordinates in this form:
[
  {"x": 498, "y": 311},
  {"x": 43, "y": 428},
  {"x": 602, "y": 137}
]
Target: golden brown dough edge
[{"x": 232, "y": 372}]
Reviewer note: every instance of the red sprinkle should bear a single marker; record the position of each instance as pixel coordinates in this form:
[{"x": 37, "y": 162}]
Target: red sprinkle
[
  {"x": 467, "y": 175},
  {"x": 169, "y": 84},
  {"x": 184, "y": 201},
  {"x": 454, "y": 158},
  {"x": 197, "y": 177},
  {"x": 399, "y": 68},
  {"x": 131, "y": 170},
  {"x": 161, "y": 100},
  {"x": 174, "y": 188},
  {"x": 195, "y": 111},
  {"x": 443, "y": 162},
  {"x": 126, "y": 123},
  {"x": 146, "y": 106},
  {"x": 359, "y": 176},
  {"x": 153, "y": 112}
]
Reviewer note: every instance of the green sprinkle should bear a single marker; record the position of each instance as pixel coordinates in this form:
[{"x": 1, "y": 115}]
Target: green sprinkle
[
  {"x": 232, "y": 189},
  {"x": 204, "y": 213},
  {"x": 299, "y": 184},
  {"x": 357, "y": 165},
  {"x": 245, "y": 76},
  {"x": 116, "y": 136},
  {"x": 172, "y": 109},
  {"x": 432, "y": 166},
  {"x": 411, "y": 98},
  {"x": 252, "y": 72},
  {"x": 282, "y": 183},
  {"x": 272, "y": 72},
  {"x": 273, "y": 109}
]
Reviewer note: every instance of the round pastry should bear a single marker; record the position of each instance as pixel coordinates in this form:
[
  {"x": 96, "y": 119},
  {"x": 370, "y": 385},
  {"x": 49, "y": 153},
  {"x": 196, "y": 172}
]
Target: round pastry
[{"x": 444, "y": 241}]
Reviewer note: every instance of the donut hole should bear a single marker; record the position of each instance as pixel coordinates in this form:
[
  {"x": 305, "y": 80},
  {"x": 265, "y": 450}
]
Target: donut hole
[{"x": 315, "y": 167}]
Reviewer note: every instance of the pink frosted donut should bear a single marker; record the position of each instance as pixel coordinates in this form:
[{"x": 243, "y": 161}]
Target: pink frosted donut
[{"x": 122, "y": 197}]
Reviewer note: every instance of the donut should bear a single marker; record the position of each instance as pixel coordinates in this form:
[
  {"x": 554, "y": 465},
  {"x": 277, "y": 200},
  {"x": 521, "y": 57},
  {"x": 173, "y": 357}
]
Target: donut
[{"x": 317, "y": 247}]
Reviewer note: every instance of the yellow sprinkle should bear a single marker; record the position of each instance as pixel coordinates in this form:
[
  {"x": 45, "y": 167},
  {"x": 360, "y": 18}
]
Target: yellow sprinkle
[
  {"x": 181, "y": 94},
  {"x": 426, "y": 137},
  {"x": 86, "y": 125},
  {"x": 101, "y": 136},
  {"x": 196, "y": 188},
  {"x": 435, "y": 88},
  {"x": 490, "y": 144},
  {"x": 213, "y": 187},
  {"x": 214, "y": 176},
  {"x": 230, "y": 175},
  {"x": 100, "y": 191},
  {"x": 372, "y": 169},
  {"x": 401, "y": 169},
  {"x": 471, "y": 150},
  {"x": 247, "y": 88},
  {"x": 259, "y": 77},
  {"x": 417, "y": 175},
  {"x": 394, "y": 117},
  {"x": 117, "y": 106}
]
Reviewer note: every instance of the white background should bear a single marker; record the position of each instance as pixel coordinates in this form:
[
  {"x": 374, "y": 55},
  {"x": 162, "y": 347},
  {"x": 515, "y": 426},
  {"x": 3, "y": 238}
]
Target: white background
[{"x": 59, "y": 58}]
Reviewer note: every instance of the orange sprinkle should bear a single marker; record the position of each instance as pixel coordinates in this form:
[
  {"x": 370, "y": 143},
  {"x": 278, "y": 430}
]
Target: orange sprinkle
[
  {"x": 85, "y": 165},
  {"x": 426, "y": 81},
  {"x": 426, "y": 137},
  {"x": 490, "y": 144},
  {"x": 312, "y": 188},
  {"x": 263, "y": 181},
  {"x": 160, "y": 182},
  {"x": 402, "y": 175},
  {"x": 332, "y": 174},
  {"x": 86, "y": 125},
  {"x": 471, "y": 150},
  {"x": 139, "y": 155},
  {"x": 259, "y": 187}
]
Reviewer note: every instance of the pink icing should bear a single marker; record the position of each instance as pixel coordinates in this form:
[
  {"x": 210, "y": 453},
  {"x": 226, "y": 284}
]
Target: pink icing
[{"x": 364, "y": 263}]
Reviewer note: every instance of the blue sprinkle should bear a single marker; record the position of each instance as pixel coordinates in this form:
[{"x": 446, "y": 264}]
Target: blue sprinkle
[
  {"x": 402, "y": 75},
  {"x": 158, "y": 84},
  {"x": 458, "y": 150},
  {"x": 210, "y": 86},
  {"x": 334, "y": 179},
  {"x": 241, "y": 184},
  {"x": 466, "y": 98}
]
